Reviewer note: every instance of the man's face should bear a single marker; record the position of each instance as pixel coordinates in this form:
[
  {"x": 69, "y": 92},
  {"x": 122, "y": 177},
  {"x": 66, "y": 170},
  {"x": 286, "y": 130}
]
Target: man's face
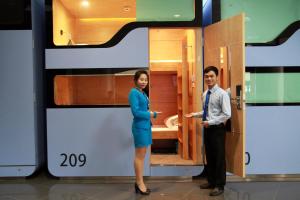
[{"x": 210, "y": 79}]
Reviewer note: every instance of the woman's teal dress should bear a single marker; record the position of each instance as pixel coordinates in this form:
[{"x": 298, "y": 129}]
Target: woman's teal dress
[{"x": 141, "y": 126}]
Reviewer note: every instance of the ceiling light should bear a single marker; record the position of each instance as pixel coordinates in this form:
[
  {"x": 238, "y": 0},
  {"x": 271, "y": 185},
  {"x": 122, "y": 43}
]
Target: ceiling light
[
  {"x": 176, "y": 15},
  {"x": 107, "y": 19},
  {"x": 85, "y": 3},
  {"x": 126, "y": 8}
]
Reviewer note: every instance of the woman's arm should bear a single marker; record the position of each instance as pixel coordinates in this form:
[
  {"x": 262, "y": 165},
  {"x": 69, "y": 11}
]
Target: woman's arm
[{"x": 135, "y": 109}]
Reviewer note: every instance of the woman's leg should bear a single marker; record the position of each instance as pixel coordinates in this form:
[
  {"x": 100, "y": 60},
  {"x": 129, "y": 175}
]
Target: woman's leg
[{"x": 140, "y": 154}]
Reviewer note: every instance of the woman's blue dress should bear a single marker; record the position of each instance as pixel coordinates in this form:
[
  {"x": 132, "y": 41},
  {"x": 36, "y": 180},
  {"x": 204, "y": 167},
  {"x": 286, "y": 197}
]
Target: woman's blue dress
[{"x": 141, "y": 126}]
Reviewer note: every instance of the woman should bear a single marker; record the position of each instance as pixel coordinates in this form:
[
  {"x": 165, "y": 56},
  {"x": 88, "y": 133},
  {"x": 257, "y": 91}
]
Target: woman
[{"x": 141, "y": 126}]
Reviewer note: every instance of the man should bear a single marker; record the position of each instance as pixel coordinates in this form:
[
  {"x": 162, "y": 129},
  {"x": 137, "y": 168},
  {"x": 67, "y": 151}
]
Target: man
[{"x": 216, "y": 111}]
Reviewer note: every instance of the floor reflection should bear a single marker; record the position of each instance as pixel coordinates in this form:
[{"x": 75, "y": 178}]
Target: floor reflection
[{"x": 42, "y": 188}]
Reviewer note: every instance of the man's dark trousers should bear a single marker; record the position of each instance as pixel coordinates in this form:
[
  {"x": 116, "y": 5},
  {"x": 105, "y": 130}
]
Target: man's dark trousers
[{"x": 214, "y": 140}]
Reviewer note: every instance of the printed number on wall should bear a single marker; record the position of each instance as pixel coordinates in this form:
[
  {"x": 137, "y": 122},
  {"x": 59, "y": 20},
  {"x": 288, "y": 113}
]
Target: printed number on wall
[{"x": 73, "y": 160}]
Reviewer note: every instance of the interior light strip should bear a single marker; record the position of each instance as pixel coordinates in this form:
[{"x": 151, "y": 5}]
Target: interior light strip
[{"x": 106, "y": 19}]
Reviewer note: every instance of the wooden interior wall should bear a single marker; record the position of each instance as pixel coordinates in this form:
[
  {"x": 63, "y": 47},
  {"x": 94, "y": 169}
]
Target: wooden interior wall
[
  {"x": 179, "y": 110},
  {"x": 165, "y": 44},
  {"x": 194, "y": 84},
  {"x": 123, "y": 85},
  {"x": 169, "y": 50},
  {"x": 62, "y": 20},
  {"x": 92, "y": 90},
  {"x": 230, "y": 34},
  {"x": 164, "y": 67},
  {"x": 102, "y": 9},
  {"x": 191, "y": 86},
  {"x": 163, "y": 90},
  {"x": 96, "y": 32},
  {"x": 63, "y": 90},
  {"x": 224, "y": 77},
  {"x": 185, "y": 99}
]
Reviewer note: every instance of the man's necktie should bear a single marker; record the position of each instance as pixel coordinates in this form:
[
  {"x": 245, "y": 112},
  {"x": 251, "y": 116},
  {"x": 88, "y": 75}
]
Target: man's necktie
[{"x": 205, "y": 107}]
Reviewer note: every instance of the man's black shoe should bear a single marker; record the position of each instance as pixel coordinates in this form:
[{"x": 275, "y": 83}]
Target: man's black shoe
[
  {"x": 206, "y": 186},
  {"x": 216, "y": 192}
]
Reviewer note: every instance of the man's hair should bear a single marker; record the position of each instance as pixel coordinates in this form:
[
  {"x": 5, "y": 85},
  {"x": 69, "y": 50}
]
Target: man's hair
[{"x": 211, "y": 68}]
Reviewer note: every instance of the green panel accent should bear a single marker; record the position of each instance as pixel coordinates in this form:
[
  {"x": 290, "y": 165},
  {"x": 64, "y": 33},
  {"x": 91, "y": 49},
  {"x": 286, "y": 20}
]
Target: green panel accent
[
  {"x": 272, "y": 87},
  {"x": 165, "y": 10},
  {"x": 265, "y": 19}
]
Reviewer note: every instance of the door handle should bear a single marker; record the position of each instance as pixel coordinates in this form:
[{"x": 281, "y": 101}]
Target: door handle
[
  {"x": 248, "y": 156},
  {"x": 238, "y": 100}
]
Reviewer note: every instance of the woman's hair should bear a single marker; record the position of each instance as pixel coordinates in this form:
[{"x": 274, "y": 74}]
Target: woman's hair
[{"x": 137, "y": 76}]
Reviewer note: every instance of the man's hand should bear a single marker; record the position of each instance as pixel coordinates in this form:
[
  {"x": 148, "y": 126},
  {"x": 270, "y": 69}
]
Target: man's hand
[
  {"x": 189, "y": 115},
  {"x": 205, "y": 124}
]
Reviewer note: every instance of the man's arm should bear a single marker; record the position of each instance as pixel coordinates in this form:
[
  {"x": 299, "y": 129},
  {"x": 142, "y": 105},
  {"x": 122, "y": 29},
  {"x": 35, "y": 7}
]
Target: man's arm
[{"x": 194, "y": 114}]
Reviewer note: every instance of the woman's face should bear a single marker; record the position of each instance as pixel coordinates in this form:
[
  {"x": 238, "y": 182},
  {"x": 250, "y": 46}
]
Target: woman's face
[{"x": 142, "y": 81}]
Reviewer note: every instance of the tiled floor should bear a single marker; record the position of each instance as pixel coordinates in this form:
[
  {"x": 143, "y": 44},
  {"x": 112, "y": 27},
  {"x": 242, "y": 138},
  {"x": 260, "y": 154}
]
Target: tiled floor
[{"x": 42, "y": 187}]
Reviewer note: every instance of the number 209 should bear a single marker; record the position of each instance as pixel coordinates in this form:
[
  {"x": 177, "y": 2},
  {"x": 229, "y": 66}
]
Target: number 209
[{"x": 73, "y": 160}]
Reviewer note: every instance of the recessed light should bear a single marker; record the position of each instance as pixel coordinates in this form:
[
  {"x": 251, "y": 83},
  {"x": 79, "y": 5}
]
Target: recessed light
[
  {"x": 126, "y": 8},
  {"x": 85, "y": 3},
  {"x": 176, "y": 15}
]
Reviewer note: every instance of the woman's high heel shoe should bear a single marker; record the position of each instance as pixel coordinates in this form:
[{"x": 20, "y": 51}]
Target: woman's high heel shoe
[{"x": 139, "y": 191}]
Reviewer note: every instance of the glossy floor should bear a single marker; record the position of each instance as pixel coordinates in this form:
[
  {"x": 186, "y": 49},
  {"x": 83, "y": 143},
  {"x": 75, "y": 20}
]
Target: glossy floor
[{"x": 42, "y": 187}]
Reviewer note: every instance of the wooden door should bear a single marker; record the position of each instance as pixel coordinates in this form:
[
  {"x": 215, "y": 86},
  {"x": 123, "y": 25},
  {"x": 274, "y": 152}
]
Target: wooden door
[{"x": 224, "y": 47}]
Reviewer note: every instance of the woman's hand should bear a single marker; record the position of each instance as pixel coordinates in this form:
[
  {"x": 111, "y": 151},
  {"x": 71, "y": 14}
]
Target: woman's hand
[
  {"x": 154, "y": 114},
  {"x": 151, "y": 114}
]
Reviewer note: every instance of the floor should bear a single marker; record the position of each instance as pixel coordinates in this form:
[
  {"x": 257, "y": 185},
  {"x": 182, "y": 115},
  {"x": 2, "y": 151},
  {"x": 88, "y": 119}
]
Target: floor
[
  {"x": 169, "y": 159},
  {"x": 44, "y": 187}
]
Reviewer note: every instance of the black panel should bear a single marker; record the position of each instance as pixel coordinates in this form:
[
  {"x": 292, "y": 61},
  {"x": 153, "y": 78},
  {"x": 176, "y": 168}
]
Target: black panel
[
  {"x": 273, "y": 104},
  {"x": 15, "y": 15},
  {"x": 216, "y": 11},
  {"x": 238, "y": 89},
  {"x": 275, "y": 69}
]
